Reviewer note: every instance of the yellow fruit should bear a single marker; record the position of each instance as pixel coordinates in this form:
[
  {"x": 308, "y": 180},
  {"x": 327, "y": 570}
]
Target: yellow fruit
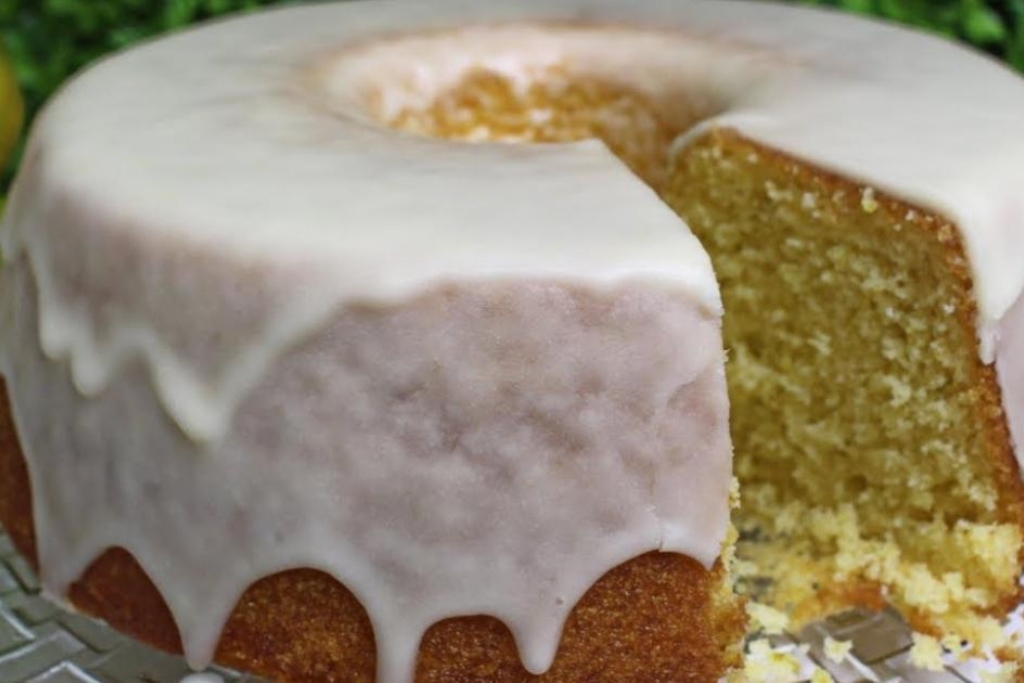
[{"x": 11, "y": 110}]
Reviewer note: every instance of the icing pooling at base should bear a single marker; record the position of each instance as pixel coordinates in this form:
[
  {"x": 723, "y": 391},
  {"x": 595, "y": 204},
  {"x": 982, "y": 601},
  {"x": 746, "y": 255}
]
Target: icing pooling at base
[{"x": 243, "y": 221}]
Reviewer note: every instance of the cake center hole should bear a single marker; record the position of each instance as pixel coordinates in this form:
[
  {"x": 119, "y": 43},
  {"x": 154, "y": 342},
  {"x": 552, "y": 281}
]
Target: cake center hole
[
  {"x": 636, "y": 90},
  {"x": 489, "y": 106}
]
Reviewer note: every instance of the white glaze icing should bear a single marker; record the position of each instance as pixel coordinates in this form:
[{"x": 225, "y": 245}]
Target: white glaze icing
[
  {"x": 1010, "y": 370},
  {"x": 209, "y": 234},
  {"x": 202, "y": 678},
  {"x": 488, "y": 449}
]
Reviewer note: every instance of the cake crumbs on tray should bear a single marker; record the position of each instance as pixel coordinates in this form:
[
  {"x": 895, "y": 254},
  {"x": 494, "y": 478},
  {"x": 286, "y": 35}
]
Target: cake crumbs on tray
[
  {"x": 926, "y": 653},
  {"x": 837, "y": 650},
  {"x": 1006, "y": 673},
  {"x": 768, "y": 619},
  {"x": 867, "y": 200},
  {"x": 764, "y": 663},
  {"x": 821, "y": 676}
]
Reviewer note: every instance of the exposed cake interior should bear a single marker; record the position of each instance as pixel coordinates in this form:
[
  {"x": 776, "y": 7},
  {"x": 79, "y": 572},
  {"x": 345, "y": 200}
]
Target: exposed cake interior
[{"x": 862, "y": 418}]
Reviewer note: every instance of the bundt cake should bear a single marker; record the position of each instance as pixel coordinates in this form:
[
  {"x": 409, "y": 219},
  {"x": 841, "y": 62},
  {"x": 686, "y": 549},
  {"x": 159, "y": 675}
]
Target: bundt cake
[{"x": 301, "y": 381}]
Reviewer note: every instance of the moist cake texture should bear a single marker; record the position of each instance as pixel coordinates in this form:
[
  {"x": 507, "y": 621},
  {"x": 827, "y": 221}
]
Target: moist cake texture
[
  {"x": 458, "y": 411},
  {"x": 874, "y": 456}
]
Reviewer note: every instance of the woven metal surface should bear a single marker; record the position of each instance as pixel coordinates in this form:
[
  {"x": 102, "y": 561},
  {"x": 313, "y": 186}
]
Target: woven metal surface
[
  {"x": 41, "y": 643},
  {"x": 880, "y": 653}
]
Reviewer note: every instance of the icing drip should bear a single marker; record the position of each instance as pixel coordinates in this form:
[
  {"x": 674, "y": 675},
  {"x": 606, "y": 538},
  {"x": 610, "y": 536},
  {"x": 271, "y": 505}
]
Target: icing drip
[
  {"x": 463, "y": 484},
  {"x": 1010, "y": 371},
  {"x": 200, "y": 366},
  {"x": 202, "y": 678}
]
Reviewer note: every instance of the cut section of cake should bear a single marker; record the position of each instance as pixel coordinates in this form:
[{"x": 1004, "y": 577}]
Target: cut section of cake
[
  {"x": 385, "y": 341},
  {"x": 874, "y": 454}
]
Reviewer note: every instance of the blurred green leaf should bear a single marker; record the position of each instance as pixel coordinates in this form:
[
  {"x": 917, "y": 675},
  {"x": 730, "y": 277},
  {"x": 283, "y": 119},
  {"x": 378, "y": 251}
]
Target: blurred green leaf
[
  {"x": 859, "y": 6},
  {"x": 994, "y": 25},
  {"x": 981, "y": 24},
  {"x": 984, "y": 27}
]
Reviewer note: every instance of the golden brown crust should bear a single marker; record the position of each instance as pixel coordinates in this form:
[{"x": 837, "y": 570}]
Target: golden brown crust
[
  {"x": 15, "y": 493},
  {"x": 654, "y": 619}
]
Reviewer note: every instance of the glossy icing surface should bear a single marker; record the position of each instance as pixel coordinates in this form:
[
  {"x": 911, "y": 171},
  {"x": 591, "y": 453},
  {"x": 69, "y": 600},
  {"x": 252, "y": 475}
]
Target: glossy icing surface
[
  {"x": 321, "y": 324},
  {"x": 491, "y": 449}
]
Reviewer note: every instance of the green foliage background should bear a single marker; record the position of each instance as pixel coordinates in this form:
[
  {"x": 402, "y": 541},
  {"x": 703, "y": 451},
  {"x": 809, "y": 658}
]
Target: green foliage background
[{"x": 50, "y": 39}]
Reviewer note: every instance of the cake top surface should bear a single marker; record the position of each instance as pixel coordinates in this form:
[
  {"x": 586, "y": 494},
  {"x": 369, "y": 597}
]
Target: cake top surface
[{"x": 257, "y": 136}]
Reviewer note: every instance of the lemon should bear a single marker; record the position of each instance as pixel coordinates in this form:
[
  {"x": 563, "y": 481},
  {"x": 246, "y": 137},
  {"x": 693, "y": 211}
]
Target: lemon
[{"x": 12, "y": 109}]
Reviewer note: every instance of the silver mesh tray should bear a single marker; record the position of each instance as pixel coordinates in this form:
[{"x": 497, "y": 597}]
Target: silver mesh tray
[
  {"x": 41, "y": 643},
  {"x": 880, "y": 653}
]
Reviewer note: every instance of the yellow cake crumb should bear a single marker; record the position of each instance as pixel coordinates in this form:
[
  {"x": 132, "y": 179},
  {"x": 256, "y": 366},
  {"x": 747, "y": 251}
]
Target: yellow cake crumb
[
  {"x": 954, "y": 645},
  {"x": 771, "y": 620},
  {"x": 762, "y": 664},
  {"x": 1006, "y": 673},
  {"x": 821, "y": 676},
  {"x": 926, "y": 653},
  {"x": 868, "y": 201},
  {"x": 837, "y": 650}
]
